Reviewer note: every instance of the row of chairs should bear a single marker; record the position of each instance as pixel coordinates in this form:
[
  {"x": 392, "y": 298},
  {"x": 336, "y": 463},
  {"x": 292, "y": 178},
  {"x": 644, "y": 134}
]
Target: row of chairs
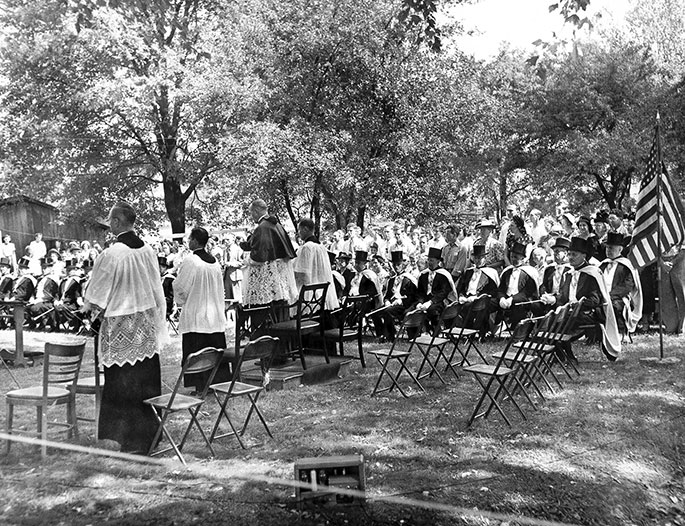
[
  {"x": 62, "y": 383},
  {"x": 525, "y": 365}
]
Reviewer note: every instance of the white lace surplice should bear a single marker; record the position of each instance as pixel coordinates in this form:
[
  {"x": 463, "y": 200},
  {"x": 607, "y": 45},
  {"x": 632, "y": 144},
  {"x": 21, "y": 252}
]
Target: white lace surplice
[
  {"x": 270, "y": 281},
  {"x": 129, "y": 338}
]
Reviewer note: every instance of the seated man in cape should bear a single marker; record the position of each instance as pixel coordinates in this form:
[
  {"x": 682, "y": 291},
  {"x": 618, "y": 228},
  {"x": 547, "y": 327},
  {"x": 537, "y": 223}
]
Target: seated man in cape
[
  {"x": 587, "y": 282},
  {"x": 399, "y": 296},
  {"x": 623, "y": 285},
  {"x": 346, "y": 270},
  {"x": 338, "y": 280},
  {"x": 477, "y": 289},
  {"x": 518, "y": 288},
  {"x": 435, "y": 288},
  {"x": 553, "y": 274}
]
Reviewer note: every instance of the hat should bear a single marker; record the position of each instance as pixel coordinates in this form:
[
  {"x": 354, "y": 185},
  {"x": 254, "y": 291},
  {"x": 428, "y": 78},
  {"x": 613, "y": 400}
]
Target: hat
[
  {"x": 518, "y": 248},
  {"x": 397, "y": 257},
  {"x": 45, "y": 262},
  {"x": 344, "y": 255},
  {"x": 162, "y": 260},
  {"x": 601, "y": 216},
  {"x": 569, "y": 217},
  {"x": 361, "y": 256},
  {"x": 478, "y": 251},
  {"x": 87, "y": 264},
  {"x": 71, "y": 263},
  {"x": 561, "y": 242},
  {"x": 486, "y": 223},
  {"x": 520, "y": 224},
  {"x": 24, "y": 262},
  {"x": 614, "y": 239},
  {"x": 55, "y": 252},
  {"x": 331, "y": 257},
  {"x": 435, "y": 253},
  {"x": 6, "y": 262},
  {"x": 74, "y": 246},
  {"x": 578, "y": 244}
]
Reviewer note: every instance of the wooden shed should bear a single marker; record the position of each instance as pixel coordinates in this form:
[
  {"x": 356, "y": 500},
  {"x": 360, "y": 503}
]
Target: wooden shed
[{"x": 22, "y": 217}]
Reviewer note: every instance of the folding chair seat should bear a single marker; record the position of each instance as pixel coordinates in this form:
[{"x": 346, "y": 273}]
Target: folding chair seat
[
  {"x": 262, "y": 349},
  {"x": 61, "y": 365},
  {"x": 308, "y": 320},
  {"x": 350, "y": 325},
  {"x": 494, "y": 379},
  {"x": 166, "y": 405},
  {"x": 441, "y": 340},
  {"x": 409, "y": 332},
  {"x": 462, "y": 336}
]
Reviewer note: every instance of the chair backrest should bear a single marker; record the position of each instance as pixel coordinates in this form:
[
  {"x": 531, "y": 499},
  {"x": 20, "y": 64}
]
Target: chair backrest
[
  {"x": 207, "y": 359},
  {"x": 312, "y": 299},
  {"x": 61, "y": 364},
  {"x": 262, "y": 349},
  {"x": 412, "y": 320},
  {"x": 449, "y": 316},
  {"x": 251, "y": 321},
  {"x": 353, "y": 313}
]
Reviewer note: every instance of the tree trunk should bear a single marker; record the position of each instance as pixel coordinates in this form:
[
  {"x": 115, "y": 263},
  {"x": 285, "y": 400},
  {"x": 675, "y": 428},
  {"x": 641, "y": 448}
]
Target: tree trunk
[
  {"x": 361, "y": 212},
  {"x": 288, "y": 203},
  {"x": 316, "y": 203},
  {"x": 175, "y": 204},
  {"x": 503, "y": 194}
]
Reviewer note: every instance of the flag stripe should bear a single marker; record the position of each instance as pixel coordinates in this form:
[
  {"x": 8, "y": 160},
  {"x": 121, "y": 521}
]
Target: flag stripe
[{"x": 644, "y": 248}]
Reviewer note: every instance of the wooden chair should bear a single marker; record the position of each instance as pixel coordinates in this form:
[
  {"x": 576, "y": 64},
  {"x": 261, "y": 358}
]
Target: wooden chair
[
  {"x": 204, "y": 360},
  {"x": 412, "y": 322},
  {"x": 308, "y": 320},
  {"x": 92, "y": 386},
  {"x": 61, "y": 365},
  {"x": 262, "y": 349},
  {"x": 350, "y": 325},
  {"x": 251, "y": 322}
]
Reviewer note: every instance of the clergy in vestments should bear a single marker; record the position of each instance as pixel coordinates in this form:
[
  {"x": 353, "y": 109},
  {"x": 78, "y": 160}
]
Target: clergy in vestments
[
  {"x": 126, "y": 293},
  {"x": 199, "y": 291},
  {"x": 312, "y": 264}
]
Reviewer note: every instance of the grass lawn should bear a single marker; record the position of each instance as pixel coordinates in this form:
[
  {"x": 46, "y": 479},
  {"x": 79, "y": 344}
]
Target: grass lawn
[{"x": 607, "y": 450}]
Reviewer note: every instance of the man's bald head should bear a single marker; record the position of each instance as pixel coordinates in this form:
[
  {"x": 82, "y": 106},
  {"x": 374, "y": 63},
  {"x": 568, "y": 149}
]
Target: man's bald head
[{"x": 257, "y": 209}]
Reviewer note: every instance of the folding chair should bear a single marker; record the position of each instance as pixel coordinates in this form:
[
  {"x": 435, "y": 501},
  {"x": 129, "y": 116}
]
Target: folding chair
[
  {"x": 350, "y": 325},
  {"x": 426, "y": 343},
  {"x": 412, "y": 322},
  {"x": 61, "y": 365},
  {"x": 163, "y": 406},
  {"x": 308, "y": 320},
  {"x": 460, "y": 333},
  {"x": 493, "y": 378},
  {"x": 261, "y": 349}
]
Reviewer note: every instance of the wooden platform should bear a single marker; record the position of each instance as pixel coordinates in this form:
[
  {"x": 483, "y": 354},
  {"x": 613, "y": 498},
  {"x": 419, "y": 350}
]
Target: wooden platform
[{"x": 291, "y": 375}]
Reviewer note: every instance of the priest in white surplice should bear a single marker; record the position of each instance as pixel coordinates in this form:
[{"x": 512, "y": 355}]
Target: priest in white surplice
[
  {"x": 312, "y": 264},
  {"x": 126, "y": 294}
]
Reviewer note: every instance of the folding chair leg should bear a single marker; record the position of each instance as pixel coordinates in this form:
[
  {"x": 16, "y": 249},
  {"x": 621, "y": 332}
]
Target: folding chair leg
[
  {"x": 254, "y": 407},
  {"x": 193, "y": 420},
  {"x": 486, "y": 393},
  {"x": 403, "y": 366},
  {"x": 223, "y": 413}
]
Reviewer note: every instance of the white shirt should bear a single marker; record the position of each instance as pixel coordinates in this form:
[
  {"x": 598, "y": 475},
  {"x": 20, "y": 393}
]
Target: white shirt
[
  {"x": 473, "y": 284},
  {"x": 608, "y": 274},
  {"x": 199, "y": 289},
  {"x": 513, "y": 287}
]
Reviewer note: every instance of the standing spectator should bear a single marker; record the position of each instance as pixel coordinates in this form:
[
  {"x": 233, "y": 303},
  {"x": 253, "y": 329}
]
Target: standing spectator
[
  {"x": 9, "y": 251},
  {"x": 455, "y": 255},
  {"x": 38, "y": 248},
  {"x": 536, "y": 228},
  {"x": 233, "y": 273},
  {"x": 199, "y": 291},
  {"x": 506, "y": 222},
  {"x": 494, "y": 253},
  {"x": 125, "y": 292},
  {"x": 616, "y": 222}
]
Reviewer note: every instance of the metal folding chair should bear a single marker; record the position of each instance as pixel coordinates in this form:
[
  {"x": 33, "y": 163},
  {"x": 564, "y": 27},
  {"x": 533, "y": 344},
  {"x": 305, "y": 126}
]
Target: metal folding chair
[
  {"x": 412, "y": 323},
  {"x": 205, "y": 360},
  {"x": 262, "y": 349}
]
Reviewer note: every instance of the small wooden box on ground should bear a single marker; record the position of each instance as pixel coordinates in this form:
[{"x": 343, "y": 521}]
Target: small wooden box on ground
[{"x": 327, "y": 473}]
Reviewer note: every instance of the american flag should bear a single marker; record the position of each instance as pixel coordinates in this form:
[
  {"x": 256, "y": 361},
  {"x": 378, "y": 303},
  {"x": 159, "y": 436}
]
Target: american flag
[{"x": 644, "y": 246}]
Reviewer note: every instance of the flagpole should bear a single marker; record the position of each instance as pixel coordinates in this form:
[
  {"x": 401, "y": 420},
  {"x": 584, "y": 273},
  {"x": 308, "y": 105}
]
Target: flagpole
[{"x": 658, "y": 234}]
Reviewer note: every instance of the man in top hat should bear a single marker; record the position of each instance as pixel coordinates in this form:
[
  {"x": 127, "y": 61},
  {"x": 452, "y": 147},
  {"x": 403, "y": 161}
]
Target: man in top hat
[
  {"x": 435, "y": 288},
  {"x": 399, "y": 296},
  {"x": 601, "y": 226},
  {"x": 25, "y": 284},
  {"x": 70, "y": 298},
  {"x": 312, "y": 264},
  {"x": 518, "y": 288},
  {"x": 553, "y": 274},
  {"x": 47, "y": 291},
  {"x": 494, "y": 250},
  {"x": 477, "y": 288},
  {"x": 586, "y": 281},
  {"x": 365, "y": 281},
  {"x": 623, "y": 284}
]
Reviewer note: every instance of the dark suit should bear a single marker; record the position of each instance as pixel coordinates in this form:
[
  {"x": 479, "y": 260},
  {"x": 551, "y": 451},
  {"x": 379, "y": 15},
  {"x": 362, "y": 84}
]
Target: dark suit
[
  {"x": 479, "y": 314},
  {"x": 547, "y": 285},
  {"x": 437, "y": 295},
  {"x": 69, "y": 292},
  {"x": 527, "y": 290},
  {"x": 386, "y": 319},
  {"x": 50, "y": 292},
  {"x": 24, "y": 288}
]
